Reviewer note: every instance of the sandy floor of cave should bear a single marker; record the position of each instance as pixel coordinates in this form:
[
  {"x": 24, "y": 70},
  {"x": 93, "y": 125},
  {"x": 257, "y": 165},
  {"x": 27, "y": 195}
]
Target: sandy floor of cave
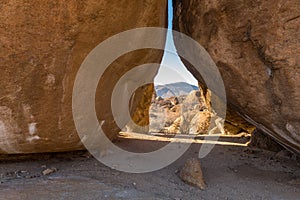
[{"x": 232, "y": 171}]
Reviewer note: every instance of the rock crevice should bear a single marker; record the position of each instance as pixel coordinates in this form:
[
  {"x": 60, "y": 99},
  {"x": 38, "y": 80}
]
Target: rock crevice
[{"x": 255, "y": 45}]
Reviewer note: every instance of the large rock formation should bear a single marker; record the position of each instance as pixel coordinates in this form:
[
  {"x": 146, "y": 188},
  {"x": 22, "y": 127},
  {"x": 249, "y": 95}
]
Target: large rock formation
[
  {"x": 42, "y": 45},
  {"x": 255, "y": 45}
]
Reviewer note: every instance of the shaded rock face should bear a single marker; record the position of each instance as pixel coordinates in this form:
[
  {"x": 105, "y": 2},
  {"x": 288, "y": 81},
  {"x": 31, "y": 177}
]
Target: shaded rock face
[
  {"x": 262, "y": 141},
  {"x": 255, "y": 45},
  {"x": 42, "y": 45}
]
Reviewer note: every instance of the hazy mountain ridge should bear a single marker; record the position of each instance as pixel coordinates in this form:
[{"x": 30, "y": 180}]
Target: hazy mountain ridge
[{"x": 174, "y": 89}]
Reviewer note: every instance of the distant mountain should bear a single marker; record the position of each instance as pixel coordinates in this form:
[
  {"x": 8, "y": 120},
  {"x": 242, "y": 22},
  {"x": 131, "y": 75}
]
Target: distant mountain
[{"x": 174, "y": 89}]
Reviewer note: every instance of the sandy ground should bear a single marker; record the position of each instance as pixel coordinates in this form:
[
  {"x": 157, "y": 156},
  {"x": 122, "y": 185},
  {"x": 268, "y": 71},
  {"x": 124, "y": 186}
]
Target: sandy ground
[{"x": 231, "y": 172}]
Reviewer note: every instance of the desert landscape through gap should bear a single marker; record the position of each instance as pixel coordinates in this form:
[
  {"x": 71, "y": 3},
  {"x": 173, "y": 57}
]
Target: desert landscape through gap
[{"x": 254, "y": 153}]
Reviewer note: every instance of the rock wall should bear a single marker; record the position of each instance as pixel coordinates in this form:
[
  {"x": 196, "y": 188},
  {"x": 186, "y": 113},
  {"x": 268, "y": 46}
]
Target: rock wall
[
  {"x": 42, "y": 45},
  {"x": 256, "y": 46}
]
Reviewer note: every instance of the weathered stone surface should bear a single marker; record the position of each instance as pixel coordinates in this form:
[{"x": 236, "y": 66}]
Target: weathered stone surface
[
  {"x": 263, "y": 141},
  {"x": 191, "y": 116},
  {"x": 42, "y": 45},
  {"x": 191, "y": 173},
  {"x": 235, "y": 124},
  {"x": 255, "y": 45}
]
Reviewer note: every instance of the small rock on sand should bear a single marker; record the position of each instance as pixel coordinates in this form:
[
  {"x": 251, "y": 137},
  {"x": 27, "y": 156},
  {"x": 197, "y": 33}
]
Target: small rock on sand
[
  {"x": 49, "y": 171},
  {"x": 191, "y": 173}
]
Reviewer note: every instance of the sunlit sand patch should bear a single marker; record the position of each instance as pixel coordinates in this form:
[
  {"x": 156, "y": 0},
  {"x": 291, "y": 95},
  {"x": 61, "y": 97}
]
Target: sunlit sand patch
[{"x": 182, "y": 138}]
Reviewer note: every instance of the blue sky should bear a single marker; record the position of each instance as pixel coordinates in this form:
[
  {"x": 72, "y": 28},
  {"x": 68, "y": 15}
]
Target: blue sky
[{"x": 172, "y": 69}]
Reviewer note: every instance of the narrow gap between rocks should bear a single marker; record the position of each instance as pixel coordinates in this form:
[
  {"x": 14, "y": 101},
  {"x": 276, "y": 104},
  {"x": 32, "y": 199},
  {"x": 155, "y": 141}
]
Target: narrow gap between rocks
[{"x": 179, "y": 107}]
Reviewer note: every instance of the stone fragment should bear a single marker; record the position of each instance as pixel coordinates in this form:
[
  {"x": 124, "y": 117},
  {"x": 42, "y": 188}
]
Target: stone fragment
[{"x": 191, "y": 173}]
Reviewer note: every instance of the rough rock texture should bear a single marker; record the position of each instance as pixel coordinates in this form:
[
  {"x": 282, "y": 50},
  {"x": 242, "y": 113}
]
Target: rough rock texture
[
  {"x": 192, "y": 108},
  {"x": 163, "y": 113},
  {"x": 188, "y": 117},
  {"x": 235, "y": 124},
  {"x": 263, "y": 141},
  {"x": 255, "y": 45},
  {"x": 42, "y": 45},
  {"x": 192, "y": 114},
  {"x": 191, "y": 173}
]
